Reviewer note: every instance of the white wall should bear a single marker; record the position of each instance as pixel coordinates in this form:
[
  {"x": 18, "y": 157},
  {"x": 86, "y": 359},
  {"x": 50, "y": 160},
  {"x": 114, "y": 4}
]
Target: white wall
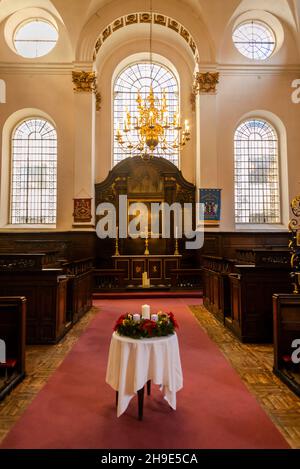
[{"x": 244, "y": 87}]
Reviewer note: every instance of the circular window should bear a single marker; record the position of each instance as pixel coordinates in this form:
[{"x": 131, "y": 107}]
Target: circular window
[
  {"x": 254, "y": 40},
  {"x": 35, "y": 38}
]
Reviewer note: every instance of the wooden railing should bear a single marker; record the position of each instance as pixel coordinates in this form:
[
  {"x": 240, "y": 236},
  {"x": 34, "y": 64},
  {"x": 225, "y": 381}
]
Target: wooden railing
[
  {"x": 109, "y": 279},
  {"x": 78, "y": 267},
  {"x": 187, "y": 279}
]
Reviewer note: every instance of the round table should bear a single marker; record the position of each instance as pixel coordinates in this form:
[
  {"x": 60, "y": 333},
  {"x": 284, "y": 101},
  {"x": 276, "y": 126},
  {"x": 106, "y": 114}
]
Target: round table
[{"x": 134, "y": 362}]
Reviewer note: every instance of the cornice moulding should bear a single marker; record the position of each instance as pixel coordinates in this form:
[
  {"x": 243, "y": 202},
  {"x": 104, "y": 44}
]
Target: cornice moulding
[
  {"x": 51, "y": 69},
  {"x": 249, "y": 69}
]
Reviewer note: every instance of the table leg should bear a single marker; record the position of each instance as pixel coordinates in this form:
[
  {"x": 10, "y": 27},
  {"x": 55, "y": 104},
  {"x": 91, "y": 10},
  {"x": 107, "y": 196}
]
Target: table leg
[
  {"x": 141, "y": 402},
  {"x": 149, "y": 387}
]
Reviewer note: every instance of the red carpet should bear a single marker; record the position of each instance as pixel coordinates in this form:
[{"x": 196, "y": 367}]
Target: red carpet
[{"x": 76, "y": 409}]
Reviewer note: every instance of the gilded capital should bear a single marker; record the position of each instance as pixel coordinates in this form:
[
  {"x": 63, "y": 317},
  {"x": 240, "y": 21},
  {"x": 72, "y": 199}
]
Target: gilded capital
[
  {"x": 84, "y": 81},
  {"x": 205, "y": 82}
]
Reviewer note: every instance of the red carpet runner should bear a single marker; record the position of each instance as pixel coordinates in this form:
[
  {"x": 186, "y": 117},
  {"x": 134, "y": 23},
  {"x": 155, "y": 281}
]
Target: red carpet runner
[{"x": 76, "y": 409}]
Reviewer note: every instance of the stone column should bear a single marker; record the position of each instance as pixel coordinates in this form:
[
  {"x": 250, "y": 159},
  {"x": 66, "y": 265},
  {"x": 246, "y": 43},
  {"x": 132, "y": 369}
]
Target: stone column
[
  {"x": 204, "y": 91},
  {"x": 86, "y": 98}
]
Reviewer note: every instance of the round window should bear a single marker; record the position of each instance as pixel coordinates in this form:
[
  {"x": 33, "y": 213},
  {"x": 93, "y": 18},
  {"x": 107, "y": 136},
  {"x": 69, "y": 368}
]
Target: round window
[
  {"x": 255, "y": 40},
  {"x": 35, "y": 38}
]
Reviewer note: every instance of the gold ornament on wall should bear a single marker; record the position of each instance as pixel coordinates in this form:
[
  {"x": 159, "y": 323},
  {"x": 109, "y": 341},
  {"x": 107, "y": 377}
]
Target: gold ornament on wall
[
  {"x": 205, "y": 82},
  {"x": 87, "y": 82},
  {"x": 294, "y": 245},
  {"x": 146, "y": 17},
  {"x": 84, "y": 81}
]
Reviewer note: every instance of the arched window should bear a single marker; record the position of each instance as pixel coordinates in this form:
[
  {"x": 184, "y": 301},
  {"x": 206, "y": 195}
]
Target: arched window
[
  {"x": 33, "y": 174},
  {"x": 257, "y": 186},
  {"x": 135, "y": 79}
]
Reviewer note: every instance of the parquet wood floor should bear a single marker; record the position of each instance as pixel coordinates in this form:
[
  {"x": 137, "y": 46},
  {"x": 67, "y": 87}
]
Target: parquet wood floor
[
  {"x": 41, "y": 363},
  {"x": 254, "y": 364}
]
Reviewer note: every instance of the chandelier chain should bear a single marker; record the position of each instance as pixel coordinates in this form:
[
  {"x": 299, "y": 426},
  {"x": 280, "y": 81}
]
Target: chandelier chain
[{"x": 151, "y": 128}]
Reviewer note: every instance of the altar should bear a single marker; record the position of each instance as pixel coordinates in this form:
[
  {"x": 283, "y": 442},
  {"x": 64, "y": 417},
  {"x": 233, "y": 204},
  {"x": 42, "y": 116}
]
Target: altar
[{"x": 158, "y": 268}]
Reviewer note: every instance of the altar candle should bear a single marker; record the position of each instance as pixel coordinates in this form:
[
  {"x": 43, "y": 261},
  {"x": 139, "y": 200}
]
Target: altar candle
[
  {"x": 176, "y": 232},
  {"x": 136, "y": 317},
  {"x": 146, "y": 312},
  {"x": 144, "y": 279}
]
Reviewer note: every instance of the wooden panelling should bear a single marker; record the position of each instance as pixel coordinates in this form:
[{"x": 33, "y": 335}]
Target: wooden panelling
[
  {"x": 46, "y": 293},
  {"x": 252, "y": 288},
  {"x": 12, "y": 331},
  {"x": 70, "y": 245},
  {"x": 286, "y": 310}
]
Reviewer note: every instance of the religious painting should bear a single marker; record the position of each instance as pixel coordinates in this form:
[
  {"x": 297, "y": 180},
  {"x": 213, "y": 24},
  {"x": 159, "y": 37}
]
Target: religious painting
[
  {"x": 211, "y": 208},
  {"x": 145, "y": 180},
  {"x": 144, "y": 214}
]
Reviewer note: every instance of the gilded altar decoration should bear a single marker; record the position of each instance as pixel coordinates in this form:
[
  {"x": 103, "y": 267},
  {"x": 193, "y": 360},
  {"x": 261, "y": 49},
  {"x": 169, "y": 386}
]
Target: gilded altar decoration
[
  {"x": 82, "y": 210},
  {"x": 205, "y": 82},
  {"x": 294, "y": 245}
]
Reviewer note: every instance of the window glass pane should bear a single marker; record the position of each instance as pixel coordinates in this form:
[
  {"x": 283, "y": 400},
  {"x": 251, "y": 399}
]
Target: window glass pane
[
  {"x": 254, "y": 40},
  {"x": 138, "y": 78},
  {"x": 257, "y": 188},
  {"x": 35, "y": 38},
  {"x": 33, "y": 186}
]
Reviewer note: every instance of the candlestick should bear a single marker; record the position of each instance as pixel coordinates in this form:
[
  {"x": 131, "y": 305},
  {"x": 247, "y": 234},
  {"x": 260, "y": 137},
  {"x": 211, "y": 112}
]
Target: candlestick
[
  {"x": 146, "y": 253},
  {"x": 176, "y": 252},
  {"x": 117, "y": 243}
]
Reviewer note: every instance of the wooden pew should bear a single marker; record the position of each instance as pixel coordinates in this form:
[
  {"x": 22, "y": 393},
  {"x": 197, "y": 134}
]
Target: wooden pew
[
  {"x": 12, "y": 332},
  {"x": 79, "y": 288},
  {"x": 286, "y": 310},
  {"x": 36, "y": 277}
]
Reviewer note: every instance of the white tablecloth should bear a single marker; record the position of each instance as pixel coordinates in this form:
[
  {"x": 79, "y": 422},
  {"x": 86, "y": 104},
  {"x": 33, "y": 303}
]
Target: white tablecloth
[{"x": 131, "y": 363}]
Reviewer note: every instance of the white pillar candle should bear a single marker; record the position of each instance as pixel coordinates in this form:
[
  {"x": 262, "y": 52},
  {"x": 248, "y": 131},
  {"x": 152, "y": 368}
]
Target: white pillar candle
[
  {"x": 136, "y": 317},
  {"x": 146, "y": 312},
  {"x": 154, "y": 317}
]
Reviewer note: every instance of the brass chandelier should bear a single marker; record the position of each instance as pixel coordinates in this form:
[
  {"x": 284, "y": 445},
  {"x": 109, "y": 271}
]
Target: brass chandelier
[{"x": 151, "y": 128}]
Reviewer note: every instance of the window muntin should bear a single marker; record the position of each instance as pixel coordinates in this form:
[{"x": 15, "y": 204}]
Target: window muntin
[
  {"x": 35, "y": 38},
  {"x": 34, "y": 173},
  {"x": 257, "y": 188},
  {"x": 138, "y": 78},
  {"x": 254, "y": 39}
]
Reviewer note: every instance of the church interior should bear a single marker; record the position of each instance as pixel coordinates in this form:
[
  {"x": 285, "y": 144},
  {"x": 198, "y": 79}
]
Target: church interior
[{"x": 149, "y": 170}]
